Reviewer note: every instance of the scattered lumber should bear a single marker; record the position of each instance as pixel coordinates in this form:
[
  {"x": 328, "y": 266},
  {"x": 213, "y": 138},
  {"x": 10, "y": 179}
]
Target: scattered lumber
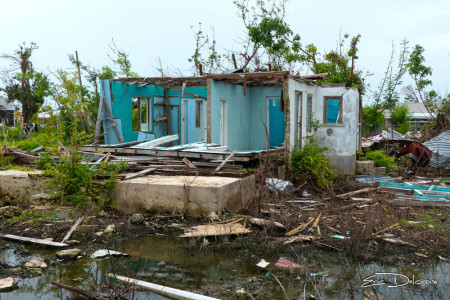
[
  {"x": 384, "y": 230},
  {"x": 188, "y": 163},
  {"x": 161, "y": 289},
  {"x": 225, "y": 161},
  {"x": 299, "y": 228},
  {"x": 139, "y": 174},
  {"x": 72, "y": 229},
  {"x": 160, "y": 141},
  {"x": 351, "y": 206},
  {"x": 32, "y": 240},
  {"x": 215, "y": 230},
  {"x": 317, "y": 220},
  {"x": 350, "y": 194},
  {"x": 303, "y": 238}
]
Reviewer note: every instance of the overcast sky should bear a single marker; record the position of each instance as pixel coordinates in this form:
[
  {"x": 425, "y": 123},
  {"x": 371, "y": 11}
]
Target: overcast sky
[{"x": 149, "y": 30}]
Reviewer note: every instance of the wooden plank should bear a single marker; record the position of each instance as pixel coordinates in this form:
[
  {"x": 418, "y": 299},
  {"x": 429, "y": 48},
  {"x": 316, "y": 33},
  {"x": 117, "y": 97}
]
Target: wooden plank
[
  {"x": 384, "y": 230},
  {"x": 67, "y": 236},
  {"x": 208, "y": 111},
  {"x": 108, "y": 110},
  {"x": 347, "y": 195},
  {"x": 187, "y": 93},
  {"x": 98, "y": 123},
  {"x": 299, "y": 228},
  {"x": 32, "y": 240},
  {"x": 160, "y": 141},
  {"x": 139, "y": 174},
  {"x": 167, "y": 103},
  {"x": 160, "y": 119},
  {"x": 188, "y": 163},
  {"x": 225, "y": 161}
]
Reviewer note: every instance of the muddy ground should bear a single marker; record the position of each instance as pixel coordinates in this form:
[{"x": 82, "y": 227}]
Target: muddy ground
[{"x": 421, "y": 234}]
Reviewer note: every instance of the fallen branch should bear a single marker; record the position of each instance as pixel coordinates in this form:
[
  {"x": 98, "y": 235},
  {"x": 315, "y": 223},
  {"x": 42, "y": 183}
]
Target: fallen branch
[
  {"x": 75, "y": 289},
  {"x": 350, "y": 194}
]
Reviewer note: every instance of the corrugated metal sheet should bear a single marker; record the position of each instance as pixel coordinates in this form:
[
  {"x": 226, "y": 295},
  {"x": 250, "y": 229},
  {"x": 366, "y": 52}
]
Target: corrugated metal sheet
[{"x": 440, "y": 146}]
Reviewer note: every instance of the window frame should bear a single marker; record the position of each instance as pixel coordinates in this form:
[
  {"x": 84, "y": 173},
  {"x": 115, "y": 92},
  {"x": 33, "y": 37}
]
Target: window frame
[
  {"x": 309, "y": 105},
  {"x": 149, "y": 103},
  {"x": 325, "y": 100}
]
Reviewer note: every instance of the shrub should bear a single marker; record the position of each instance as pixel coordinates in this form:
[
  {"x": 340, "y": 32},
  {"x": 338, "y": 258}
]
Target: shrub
[
  {"x": 310, "y": 164},
  {"x": 380, "y": 159}
]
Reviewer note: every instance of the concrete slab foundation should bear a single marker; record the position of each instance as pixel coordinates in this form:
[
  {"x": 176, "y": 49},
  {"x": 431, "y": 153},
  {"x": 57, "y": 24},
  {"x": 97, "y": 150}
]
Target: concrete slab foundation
[
  {"x": 364, "y": 167},
  {"x": 192, "y": 195},
  {"x": 19, "y": 185}
]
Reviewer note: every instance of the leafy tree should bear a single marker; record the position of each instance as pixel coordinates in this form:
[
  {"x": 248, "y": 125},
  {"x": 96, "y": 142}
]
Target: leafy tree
[
  {"x": 387, "y": 95},
  {"x": 211, "y": 61},
  {"x": 121, "y": 60},
  {"x": 421, "y": 76},
  {"x": 107, "y": 73},
  {"x": 372, "y": 116},
  {"x": 400, "y": 114},
  {"x": 23, "y": 83}
]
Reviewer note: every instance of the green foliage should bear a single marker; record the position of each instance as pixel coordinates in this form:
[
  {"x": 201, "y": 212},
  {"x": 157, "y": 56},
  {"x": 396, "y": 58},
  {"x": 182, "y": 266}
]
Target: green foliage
[
  {"x": 107, "y": 73},
  {"x": 421, "y": 91},
  {"x": 27, "y": 86},
  {"x": 310, "y": 164},
  {"x": 34, "y": 218},
  {"x": 5, "y": 161},
  {"x": 401, "y": 115},
  {"x": 121, "y": 61},
  {"x": 45, "y": 161},
  {"x": 205, "y": 53},
  {"x": 372, "y": 116},
  {"x": 380, "y": 159}
]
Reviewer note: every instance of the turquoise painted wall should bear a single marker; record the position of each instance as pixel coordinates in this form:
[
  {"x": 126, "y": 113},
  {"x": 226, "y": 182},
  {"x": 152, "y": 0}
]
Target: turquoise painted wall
[
  {"x": 122, "y": 105},
  {"x": 238, "y": 114},
  {"x": 245, "y": 129},
  {"x": 259, "y": 97}
]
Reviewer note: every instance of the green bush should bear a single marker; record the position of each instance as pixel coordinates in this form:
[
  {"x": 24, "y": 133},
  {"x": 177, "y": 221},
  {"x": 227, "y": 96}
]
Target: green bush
[
  {"x": 310, "y": 164},
  {"x": 380, "y": 159}
]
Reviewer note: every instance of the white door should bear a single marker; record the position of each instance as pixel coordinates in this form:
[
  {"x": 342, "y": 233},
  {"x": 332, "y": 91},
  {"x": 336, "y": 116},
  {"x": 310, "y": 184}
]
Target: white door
[{"x": 223, "y": 122}]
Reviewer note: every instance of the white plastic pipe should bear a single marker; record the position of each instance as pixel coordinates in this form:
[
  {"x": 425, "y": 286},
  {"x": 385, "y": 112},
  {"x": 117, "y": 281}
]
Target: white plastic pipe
[{"x": 162, "y": 290}]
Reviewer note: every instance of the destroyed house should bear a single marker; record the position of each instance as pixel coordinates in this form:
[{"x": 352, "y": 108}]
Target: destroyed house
[{"x": 245, "y": 112}]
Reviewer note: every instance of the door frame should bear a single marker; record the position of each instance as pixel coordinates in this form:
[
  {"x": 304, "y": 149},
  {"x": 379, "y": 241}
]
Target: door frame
[
  {"x": 299, "y": 104},
  {"x": 268, "y": 114},
  {"x": 223, "y": 126},
  {"x": 183, "y": 118}
]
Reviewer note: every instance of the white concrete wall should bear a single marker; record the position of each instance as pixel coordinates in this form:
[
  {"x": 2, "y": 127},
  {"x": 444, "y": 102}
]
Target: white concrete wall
[{"x": 341, "y": 139}]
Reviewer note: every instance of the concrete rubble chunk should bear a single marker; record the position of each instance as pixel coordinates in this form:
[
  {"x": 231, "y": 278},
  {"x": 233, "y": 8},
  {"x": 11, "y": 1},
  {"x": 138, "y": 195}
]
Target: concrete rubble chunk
[
  {"x": 137, "y": 218},
  {"x": 8, "y": 283},
  {"x": 213, "y": 217},
  {"x": 42, "y": 197},
  {"x": 68, "y": 254},
  {"x": 278, "y": 184},
  {"x": 110, "y": 229},
  {"x": 10, "y": 211},
  {"x": 105, "y": 252},
  {"x": 37, "y": 262}
]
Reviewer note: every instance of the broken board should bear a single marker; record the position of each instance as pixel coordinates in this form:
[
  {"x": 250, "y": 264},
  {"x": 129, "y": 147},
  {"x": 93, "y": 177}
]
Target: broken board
[
  {"x": 215, "y": 230},
  {"x": 32, "y": 240}
]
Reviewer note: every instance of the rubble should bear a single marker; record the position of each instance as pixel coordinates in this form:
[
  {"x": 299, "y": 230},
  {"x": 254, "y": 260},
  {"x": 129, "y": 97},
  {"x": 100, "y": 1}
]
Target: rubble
[
  {"x": 8, "y": 283},
  {"x": 68, "y": 253}
]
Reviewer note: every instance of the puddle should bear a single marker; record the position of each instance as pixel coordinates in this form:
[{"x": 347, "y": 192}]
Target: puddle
[{"x": 220, "y": 273}]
